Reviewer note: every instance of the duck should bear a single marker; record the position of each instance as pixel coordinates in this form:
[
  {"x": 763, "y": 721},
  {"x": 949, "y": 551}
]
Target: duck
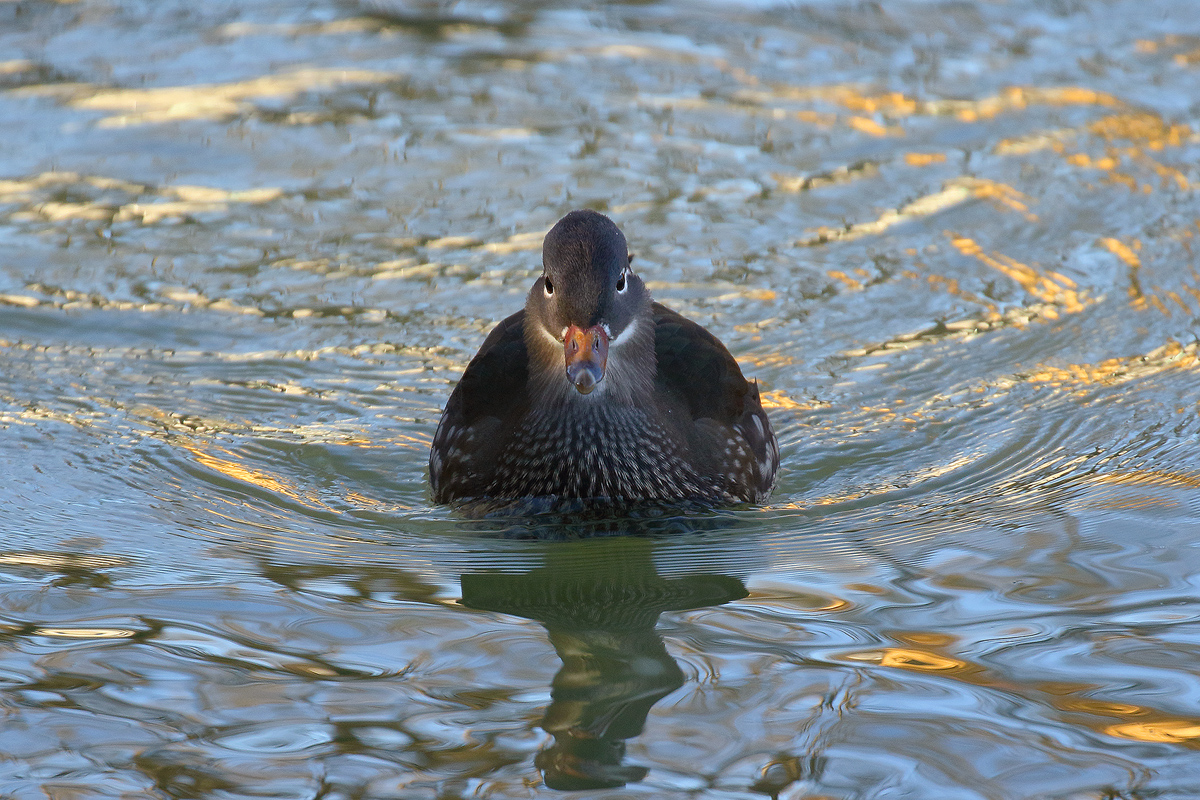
[{"x": 595, "y": 392}]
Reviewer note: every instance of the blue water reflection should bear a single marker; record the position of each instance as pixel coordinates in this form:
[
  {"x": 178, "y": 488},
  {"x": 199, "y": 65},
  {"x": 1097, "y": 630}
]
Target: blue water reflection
[{"x": 246, "y": 248}]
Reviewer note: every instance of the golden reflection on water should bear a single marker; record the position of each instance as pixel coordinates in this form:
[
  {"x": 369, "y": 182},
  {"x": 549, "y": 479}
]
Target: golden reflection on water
[
  {"x": 1177, "y": 731},
  {"x": 896, "y": 105},
  {"x": 919, "y": 660},
  {"x": 86, "y": 633},
  {"x": 924, "y": 159},
  {"x": 1173, "y": 480},
  {"x": 1170, "y": 356},
  {"x": 223, "y": 461},
  {"x": 1116, "y": 494},
  {"x": 200, "y": 101},
  {"x": 1143, "y": 131},
  {"x": 61, "y": 561},
  {"x": 457, "y": 255},
  {"x": 333, "y": 27},
  {"x": 1057, "y": 290},
  {"x": 953, "y": 195},
  {"x": 1071, "y": 698},
  {"x": 255, "y": 477},
  {"x": 778, "y": 399},
  {"x": 35, "y": 193}
]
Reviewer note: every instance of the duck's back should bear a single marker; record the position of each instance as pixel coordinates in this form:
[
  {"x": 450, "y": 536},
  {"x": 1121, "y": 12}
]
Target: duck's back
[
  {"x": 729, "y": 433},
  {"x": 490, "y": 399}
]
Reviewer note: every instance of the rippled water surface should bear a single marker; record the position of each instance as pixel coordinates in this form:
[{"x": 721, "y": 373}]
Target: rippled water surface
[{"x": 247, "y": 248}]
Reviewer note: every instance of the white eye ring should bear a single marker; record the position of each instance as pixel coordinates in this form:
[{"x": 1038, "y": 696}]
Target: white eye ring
[
  {"x": 548, "y": 287},
  {"x": 622, "y": 283}
]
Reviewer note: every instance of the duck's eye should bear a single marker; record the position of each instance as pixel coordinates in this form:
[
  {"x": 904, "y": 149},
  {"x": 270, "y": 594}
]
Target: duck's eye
[
  {"x": 621, "y": 283},
  {"x": 549, "y": 286}
]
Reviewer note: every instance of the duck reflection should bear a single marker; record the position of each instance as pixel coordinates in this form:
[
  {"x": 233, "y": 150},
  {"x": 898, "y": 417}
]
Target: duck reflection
[{"x": 600, "y": 614}]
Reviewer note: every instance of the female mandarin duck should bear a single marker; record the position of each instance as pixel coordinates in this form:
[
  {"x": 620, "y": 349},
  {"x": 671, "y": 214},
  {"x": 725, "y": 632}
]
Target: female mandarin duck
[{"x": 593, "y": 392}]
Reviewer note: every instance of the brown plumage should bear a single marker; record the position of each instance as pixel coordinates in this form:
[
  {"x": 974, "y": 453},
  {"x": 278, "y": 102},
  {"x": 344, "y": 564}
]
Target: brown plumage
[{"x": 594, "y": 392}]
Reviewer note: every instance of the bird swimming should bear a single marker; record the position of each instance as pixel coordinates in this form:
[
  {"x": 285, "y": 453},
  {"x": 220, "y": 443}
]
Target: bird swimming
[{"x": 593, "y": 392}]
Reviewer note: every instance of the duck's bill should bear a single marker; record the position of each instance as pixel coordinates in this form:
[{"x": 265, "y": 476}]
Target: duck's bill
[{"x": 586, "y": 351}]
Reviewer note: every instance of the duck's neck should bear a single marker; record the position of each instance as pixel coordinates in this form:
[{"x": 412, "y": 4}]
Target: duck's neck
[{"x": 628, "y": 375}]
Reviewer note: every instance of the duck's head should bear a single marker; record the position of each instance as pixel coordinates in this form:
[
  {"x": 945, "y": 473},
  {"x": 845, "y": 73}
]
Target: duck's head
[{"x": 588, "y": 306}]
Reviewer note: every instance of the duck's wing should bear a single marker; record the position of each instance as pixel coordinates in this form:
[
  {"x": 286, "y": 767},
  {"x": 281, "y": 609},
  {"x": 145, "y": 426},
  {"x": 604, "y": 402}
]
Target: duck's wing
[
  {"x": 491, "y": 391},
  {"x": 693, "y": 364},
  {"x": 697, "y": 369}
]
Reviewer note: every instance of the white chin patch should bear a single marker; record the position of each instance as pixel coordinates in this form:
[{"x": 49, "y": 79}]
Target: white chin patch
[
  {"x": 627, "y": 334},
  {"x": 550, "y": 336}
]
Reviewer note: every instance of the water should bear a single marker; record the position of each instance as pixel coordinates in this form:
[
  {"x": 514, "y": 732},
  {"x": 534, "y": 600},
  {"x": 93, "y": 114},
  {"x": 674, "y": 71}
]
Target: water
[{"x": 246, "y": 249}]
